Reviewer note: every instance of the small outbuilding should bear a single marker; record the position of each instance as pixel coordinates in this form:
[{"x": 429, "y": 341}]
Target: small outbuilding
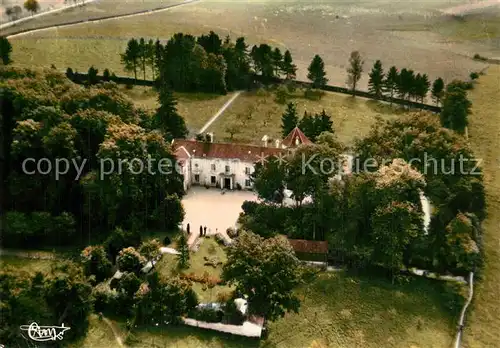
[{"x": 310, "y": 250}]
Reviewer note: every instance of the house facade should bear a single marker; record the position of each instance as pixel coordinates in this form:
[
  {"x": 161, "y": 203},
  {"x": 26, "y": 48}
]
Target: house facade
[{"x": 227, "y": 165}]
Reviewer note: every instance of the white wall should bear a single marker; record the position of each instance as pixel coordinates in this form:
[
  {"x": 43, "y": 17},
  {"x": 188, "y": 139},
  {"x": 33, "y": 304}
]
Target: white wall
[{"x": 203, "y": 167}]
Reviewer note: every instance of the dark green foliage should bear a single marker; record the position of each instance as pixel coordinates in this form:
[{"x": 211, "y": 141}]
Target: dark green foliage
[
  {"x": 131, "y": 57},
  {"x": 183, "y": 248},
  {"x": 25, "y": 299},
  {"x": 92, "y": 76},
  {"x": 288, "y": 68},
  {"x": 208, "y": 315},
  {"x": 277, "y": 57},
  {"x": 120, "y": 239},
  {"x": 254, "y": 264},
  {"x": 375, "y": 84},
  {"x": 69, "y": 73},
  {"x": 167, "y": 118},
  {"x": 456, "y": 108},
  {"x": 317, "y": 73},
  {"x": 212, "y": 43},
  {"x": 106, "y": 75},
  {"x": 268, "y": 181},
  {"x": 5, "y": 50},
  {"x": 129, "y": 284},
  {"x": 437, "y": 90},
  {"x": 129, "y": 260},
  {"x": 169, "y": 214},
  {"x": 264, "y": 62},
  {"x": 289, "y": 120},
  {"x": 474, "y": 75},
  {"x": 313, "y": 125},
  {"x": 37, "y": 228},
  {"x": 95, "y": 262},
  {"x": 164, "y": 301},
  {"x": 391, "y": 81}
]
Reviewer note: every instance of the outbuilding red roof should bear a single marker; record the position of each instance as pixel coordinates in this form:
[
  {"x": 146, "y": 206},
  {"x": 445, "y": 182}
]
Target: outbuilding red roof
[
  {"x": 309, "y": 246},
  {"x": 296, "y": 136},
  {"x": 246, "y": 153}
]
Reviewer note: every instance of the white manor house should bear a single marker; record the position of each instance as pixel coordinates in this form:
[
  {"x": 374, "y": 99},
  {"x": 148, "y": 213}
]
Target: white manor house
[{"x": 227, "y": 165}]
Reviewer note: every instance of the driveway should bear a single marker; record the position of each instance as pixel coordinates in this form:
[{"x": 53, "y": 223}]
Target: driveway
[{"x": 208, "y": 207}]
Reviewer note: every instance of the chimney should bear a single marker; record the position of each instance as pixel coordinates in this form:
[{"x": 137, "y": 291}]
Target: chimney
[
  {"x": 265, "y": 140},
  {"x": 277, "y": 143}
]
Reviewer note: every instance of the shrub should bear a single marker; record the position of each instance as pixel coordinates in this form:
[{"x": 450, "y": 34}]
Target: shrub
[
  {"x": 261, "y": 92},
  {"x": 95, "y": 262},
  {"x": 313, "y": 94},
  {"x": 231, "y": 313},
  {"x": 479, "y": 57},
  {"x": 106, "y": 299},
  {"x": 120, "y": 239},
  {"x": 231, "y": 232},
  {"x": 128, "y": 284},
  {"x": 209, "y": 315},
  {"x": 106, "y": 76},
  {"x": 281, "y": 94},
  {"x": 238, "y": 186},
  {"x": 129, "y": 260},
  {"x": 474, "y": 75},
  {"x": 69, "y": 73},
  {"x": 223, "y": 297}
]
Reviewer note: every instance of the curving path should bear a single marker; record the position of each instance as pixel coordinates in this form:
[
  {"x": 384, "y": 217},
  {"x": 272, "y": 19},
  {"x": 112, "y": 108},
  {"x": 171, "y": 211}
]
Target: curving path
[{"x": 102, "y": 19}]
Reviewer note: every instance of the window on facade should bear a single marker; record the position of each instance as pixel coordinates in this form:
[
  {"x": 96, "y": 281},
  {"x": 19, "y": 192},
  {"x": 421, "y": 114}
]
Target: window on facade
[
  {"x": 212, "y": 180},
  {"x": 248, "y": 183},
  {"x": 227, "y": 169},
  {"x": 213, "y": 167},
  {"x": 247, "y": 170},
  {"x": 197, "y": 178}
]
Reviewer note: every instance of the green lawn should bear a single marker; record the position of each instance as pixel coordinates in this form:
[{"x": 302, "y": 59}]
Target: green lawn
[
  {"x": 483, "y": 321},
  {"x": 196, "y": 108},
  {"x": 352, "y": 117},
  {"x": 25, "y": 264},
  {"x": 340, "y": 311}
]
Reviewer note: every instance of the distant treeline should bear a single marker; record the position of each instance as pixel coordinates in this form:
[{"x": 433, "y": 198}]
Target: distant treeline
[{"x": 82, "y": 78}]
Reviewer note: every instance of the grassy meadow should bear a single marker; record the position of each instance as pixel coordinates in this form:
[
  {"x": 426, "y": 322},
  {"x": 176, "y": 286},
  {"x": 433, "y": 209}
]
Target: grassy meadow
[
  {"x": 352, "y": 117},
  {"x": 339, "y": 311},
  {"x": 483, "y": 320},
  {"x": 196, "y": 108}
]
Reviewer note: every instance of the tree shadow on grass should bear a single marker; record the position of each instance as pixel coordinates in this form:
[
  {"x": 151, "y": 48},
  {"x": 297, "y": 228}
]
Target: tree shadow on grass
[{"x": 384, "y": 107}]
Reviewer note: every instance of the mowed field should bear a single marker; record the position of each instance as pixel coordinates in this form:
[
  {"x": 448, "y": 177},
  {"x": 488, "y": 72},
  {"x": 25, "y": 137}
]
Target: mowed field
[
  {"x": 483, "y": 323},
  {"x": 351, "y": 117},
  {"x": 399, "y": 33}
]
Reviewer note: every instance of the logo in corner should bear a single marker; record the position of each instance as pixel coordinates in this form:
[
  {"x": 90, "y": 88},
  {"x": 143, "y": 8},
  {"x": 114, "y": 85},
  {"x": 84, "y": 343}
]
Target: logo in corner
[{"x": 45, "y": 333}]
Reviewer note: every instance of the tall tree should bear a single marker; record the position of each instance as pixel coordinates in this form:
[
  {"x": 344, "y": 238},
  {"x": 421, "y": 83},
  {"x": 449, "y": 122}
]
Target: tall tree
[
  {"x": 317, "y": 73},
  {"x": 391, "y": 81},
  {"x": 150, "y": 250},
  {"x": 5, "y": 50},
  {"x": 375, "y": 84},
  {"x": 422, "y": 87},
  {"x": 437, "y": 90},
  {"x": 167, "y": 118},
  {"x": 289, "y": 120},
  {"x": 456, "y": 109},
  {"x": 263, "y": 62},
  {"x": 307, "y": 125},
  {"x": 212, "y": 43},
  {"x": 354, "y": 71},
  {"x": 277, "y": 61},
  {"x": 143, "y": 56},
  {"x": 132, "y": 56},
  {"x": 183, "y": 257},
  {"x": 266, "y": 270},
  {"x": 151, "y": 57},
  {"x": 289, "y": 69},
  {"x": 32, "y": 6}
]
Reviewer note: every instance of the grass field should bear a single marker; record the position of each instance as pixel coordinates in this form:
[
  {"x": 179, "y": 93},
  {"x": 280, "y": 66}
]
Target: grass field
[
  {"x": 352, "y": 117},
  {"x": 28, "y": 265},
  {"x": 484, "y": 132},
  {"x": 339, "y": 311},
  {"x": 196, "y": 108},
  {"x": 304, "y": 27}
]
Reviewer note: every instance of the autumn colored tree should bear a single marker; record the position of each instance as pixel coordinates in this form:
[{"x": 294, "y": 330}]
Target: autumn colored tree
[
  {"x": 32, "y": 6},
  {"x": 354, "y": 71}
]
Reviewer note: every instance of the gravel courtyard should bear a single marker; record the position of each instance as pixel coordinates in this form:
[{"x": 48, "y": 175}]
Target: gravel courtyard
[{"x": 208, "y": 207}]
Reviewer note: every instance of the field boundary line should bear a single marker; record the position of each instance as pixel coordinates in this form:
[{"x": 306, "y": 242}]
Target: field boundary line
[
  {"x": 101, "y": 19},
  {"x": 464, "y": 309}
]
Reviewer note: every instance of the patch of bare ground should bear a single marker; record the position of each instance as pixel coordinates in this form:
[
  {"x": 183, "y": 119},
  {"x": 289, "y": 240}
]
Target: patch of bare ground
[{"x": 483, "y": 321}]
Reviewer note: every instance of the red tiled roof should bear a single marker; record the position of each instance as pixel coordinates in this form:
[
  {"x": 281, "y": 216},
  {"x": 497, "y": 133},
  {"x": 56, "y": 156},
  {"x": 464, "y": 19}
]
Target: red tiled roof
[
  {"x": 296, "y": 133},
  {"x": 309, "y": 246},
  {"x": 246, "y": 153}
]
